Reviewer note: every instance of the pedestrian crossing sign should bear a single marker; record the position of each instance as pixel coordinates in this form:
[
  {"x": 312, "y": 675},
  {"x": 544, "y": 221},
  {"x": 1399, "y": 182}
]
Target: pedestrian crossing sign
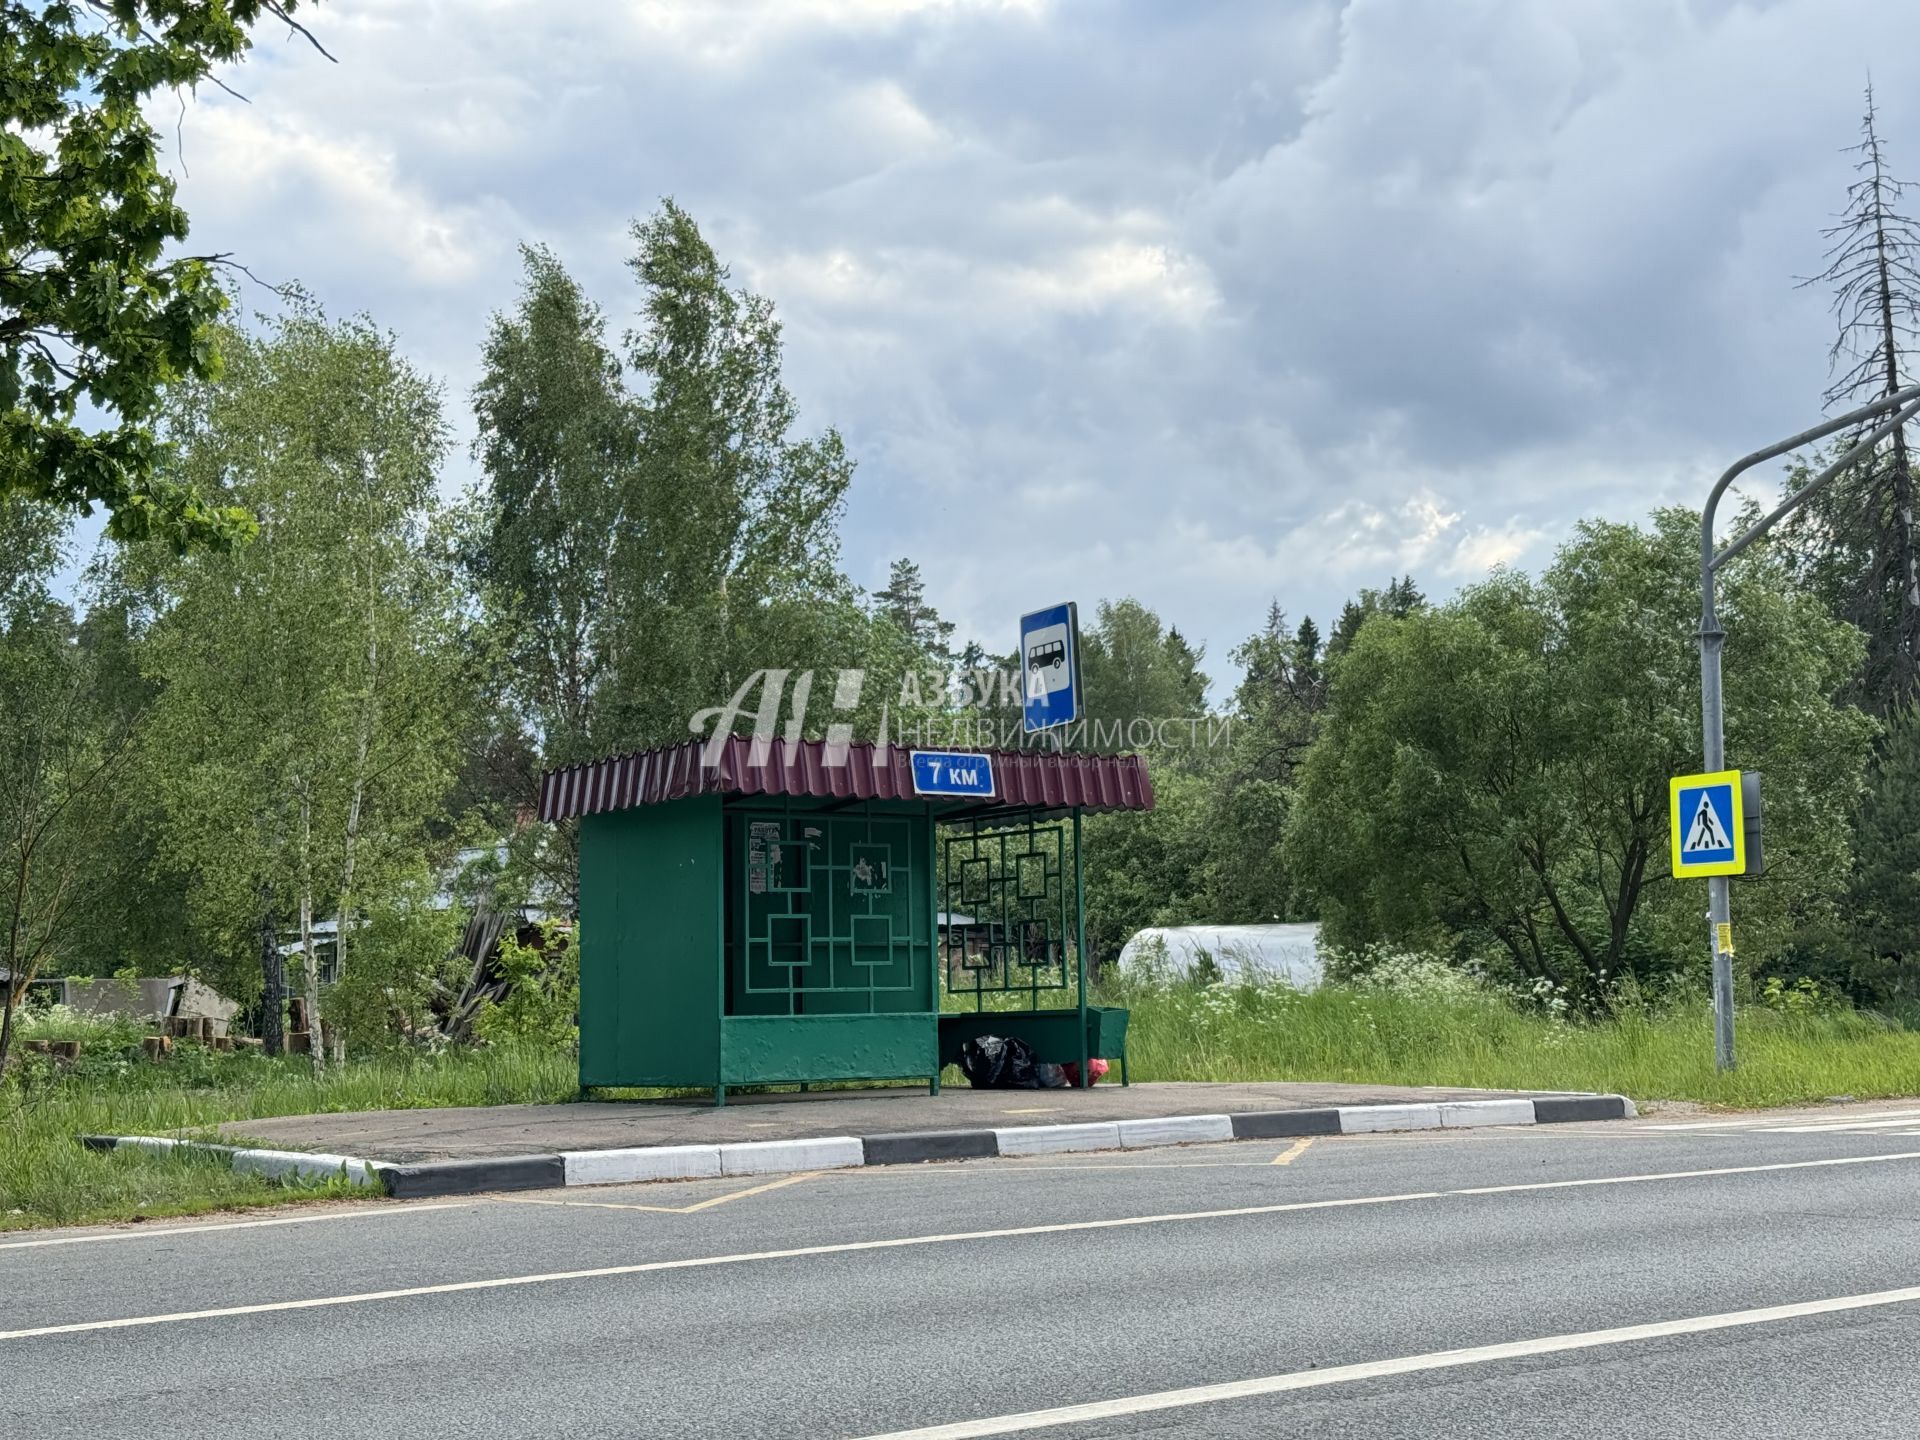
[{"x": 1709, "y": 834}]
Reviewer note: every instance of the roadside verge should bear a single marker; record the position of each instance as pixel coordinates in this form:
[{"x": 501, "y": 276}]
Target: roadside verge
[{"x": 439, "y": 1178}]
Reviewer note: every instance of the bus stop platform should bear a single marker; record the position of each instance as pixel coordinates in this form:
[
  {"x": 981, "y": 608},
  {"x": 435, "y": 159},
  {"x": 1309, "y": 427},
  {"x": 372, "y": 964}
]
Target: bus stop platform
[{"x": 901, "y": 1123}]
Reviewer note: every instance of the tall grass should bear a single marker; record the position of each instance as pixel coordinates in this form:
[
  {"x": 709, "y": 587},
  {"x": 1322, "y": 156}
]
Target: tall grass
[
  {"x": 1460, "y": 1034},
  {"x": 47, "y": 1178}
]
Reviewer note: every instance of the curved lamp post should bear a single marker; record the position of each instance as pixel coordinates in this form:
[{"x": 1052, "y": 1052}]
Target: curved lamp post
[{"x": 1906, "y": 404}]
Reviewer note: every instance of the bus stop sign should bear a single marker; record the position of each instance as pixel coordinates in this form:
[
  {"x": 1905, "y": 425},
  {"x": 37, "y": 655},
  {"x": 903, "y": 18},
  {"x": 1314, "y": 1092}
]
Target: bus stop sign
[{"x": 1050, "y": 666}]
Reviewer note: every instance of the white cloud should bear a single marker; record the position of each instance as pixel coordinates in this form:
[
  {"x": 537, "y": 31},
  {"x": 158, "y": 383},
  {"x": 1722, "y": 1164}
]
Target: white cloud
[{"x": 1208, "y": 304}]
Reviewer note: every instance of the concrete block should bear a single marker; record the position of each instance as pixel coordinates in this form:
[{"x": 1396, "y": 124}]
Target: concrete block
[
  {"x": 1459, "y": 1114},
  {"x": 1284, "y": 1124},
  {"x": 1360, "y": 1119},
  {"x": 472, "y": 1177},
  {"x": 649, "y": 1162},
  {"x": 1553, "y": 1110},
  {"x": 776, "y": 1157},
  {"x": 1174, "y": 1130},
  {"x": 915, "y": 1147},
  {"x": 301, "y": 1165},
  {"x": 1058, "y": 1139}
]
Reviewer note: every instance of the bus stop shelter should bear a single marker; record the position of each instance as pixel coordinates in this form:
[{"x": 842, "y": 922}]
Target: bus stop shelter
[{"x": 795, "y": 913}]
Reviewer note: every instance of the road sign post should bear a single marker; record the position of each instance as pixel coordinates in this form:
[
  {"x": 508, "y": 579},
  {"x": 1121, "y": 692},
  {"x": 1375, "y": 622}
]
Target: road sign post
[
  {"x": 1050, "y": 667},
  {"x": 1905, "y": 403}
]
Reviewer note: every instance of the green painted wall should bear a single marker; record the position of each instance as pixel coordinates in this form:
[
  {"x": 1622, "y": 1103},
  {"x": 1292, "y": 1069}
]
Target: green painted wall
[{"x": 650, "y": 949}]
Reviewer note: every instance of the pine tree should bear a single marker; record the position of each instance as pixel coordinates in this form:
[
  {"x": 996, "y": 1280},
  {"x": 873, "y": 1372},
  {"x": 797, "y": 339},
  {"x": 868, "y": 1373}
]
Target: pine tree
[
  {"x": 904, "y": 602},
  {"x": 1885, "y": 906},
  {"x": 1857, "y": 536}
]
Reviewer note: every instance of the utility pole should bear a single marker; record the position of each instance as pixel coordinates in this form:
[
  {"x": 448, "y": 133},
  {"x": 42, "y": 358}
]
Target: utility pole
[{"x": 1906, "y": 403}]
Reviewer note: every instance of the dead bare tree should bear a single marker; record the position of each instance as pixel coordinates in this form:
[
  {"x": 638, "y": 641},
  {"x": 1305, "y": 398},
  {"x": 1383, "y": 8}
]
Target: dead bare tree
[{"x": 1857, "y": 539}]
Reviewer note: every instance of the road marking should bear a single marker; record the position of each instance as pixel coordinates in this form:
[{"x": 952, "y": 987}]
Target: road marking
[
  {"x": 698, "y": 1205},
  {"x": 1292, "y": 1152},
  {"x": 1793, "y": 1125},
  {"x": 1034, "y": 1110},
  {"x": 1385, "y": 1369},
  {"x": 163, "y": 1231},
  {"x": 851, "y": 1247}
]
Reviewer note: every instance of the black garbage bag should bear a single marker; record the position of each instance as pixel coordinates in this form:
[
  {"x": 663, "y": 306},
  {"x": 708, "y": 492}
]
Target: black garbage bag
[
  {"x": 983, "y": 1060},
  {"x": 992, "y": 1063}
]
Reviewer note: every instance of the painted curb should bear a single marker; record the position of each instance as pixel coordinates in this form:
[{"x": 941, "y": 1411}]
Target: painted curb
[
  {"x": 777, "y": 1157},
  {"x": 911, "y": 1148},
  {"x": 654, "y": 1162},
  {"x": 1284, "y": 1124},
  {"x": 1174, "y": 1130},
  {"x": 435, "y": 1179},
  {"x": 1058, "y": 1139},
  {"x": 441, "y": 1178},
  {"x": 275, "y": 1164}
]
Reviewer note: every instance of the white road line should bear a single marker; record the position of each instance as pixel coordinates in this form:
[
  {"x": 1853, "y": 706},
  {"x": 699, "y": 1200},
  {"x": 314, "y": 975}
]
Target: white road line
[
  {"x": 851, "y": 1247},
  {"x": 1767, "y": 1122},
  {"x": 1384, "y": 1369},
  {"x": 162, "y": 1232},
  {"x": 1849, "y": 1127}
]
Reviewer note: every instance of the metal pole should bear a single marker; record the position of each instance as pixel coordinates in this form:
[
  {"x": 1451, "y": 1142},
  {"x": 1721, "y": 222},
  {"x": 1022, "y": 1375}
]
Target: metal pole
[
  {"x": 1713, "y": 639},
  {"x": 1719, "y": 892},
  {"x": 1080, "y": 950}
]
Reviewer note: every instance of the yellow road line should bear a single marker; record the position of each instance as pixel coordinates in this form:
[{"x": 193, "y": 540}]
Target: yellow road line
[
  {"x": 1292, "y": 1152},
  {"x": 697, "y": 1206}
]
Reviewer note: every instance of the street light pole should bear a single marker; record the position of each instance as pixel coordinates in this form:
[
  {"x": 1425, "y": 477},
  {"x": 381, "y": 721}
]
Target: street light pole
[{"x": 1712, "y": 638}]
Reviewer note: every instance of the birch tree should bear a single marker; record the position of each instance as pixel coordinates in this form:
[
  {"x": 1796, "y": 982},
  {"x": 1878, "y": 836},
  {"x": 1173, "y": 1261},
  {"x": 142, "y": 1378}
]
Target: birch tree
[{"x": 312, "y": 679}]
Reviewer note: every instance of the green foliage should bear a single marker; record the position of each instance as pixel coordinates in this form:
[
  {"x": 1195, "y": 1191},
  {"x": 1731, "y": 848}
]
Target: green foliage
[
  {"x": 91, "y": 315},
  {"x": 542, "y": 1003},
  {"x": 401, "y": 959},
  {"x": 1492, "y": 774},
  {"x": 1884, "y": 907},
  {"x": 311, "y": 685},
  {"x": 1421, "y": 1022},
  {"x": 58, "y": 757},
  {"x": 46, "y": 1178}
]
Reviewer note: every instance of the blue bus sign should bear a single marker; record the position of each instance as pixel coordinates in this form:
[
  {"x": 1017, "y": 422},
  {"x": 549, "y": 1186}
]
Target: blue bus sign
[
  {"x": 1050, "y": 666},
  {"x": 963, "y": 774}
]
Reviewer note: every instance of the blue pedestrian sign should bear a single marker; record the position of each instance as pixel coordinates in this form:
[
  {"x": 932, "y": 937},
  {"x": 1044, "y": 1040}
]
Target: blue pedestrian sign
[
  {"x": 961, "y": 773},
  {"x": 1050, "y": 666},
  {"x": 1709, "y": 830}
]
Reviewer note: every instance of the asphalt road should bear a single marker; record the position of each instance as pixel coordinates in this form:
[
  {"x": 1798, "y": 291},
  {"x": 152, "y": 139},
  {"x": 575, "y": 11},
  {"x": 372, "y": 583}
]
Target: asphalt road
[{"x": 1604, "y": 1280}]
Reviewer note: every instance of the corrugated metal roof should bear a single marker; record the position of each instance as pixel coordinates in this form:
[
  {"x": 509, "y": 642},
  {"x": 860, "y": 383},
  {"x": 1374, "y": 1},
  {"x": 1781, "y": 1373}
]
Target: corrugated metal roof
[{"x": 1023, "y": 779}]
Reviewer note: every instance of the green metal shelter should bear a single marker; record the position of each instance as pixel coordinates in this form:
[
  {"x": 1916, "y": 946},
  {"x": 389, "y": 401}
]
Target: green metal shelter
[{"x": 775, "y": 912}]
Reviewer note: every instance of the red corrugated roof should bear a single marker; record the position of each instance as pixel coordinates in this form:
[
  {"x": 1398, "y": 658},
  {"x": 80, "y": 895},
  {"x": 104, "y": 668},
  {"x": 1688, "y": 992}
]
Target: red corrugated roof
[{"x": 1023, "y": 779}]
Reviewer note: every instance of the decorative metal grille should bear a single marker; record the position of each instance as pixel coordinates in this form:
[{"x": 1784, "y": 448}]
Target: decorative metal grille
[
  {"x": 830, "y": 919},
  {"x": 1008, "y": 901}
]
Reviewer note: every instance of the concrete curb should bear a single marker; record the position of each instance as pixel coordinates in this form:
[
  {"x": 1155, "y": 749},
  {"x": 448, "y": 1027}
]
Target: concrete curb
[{"x": 438, "y": 1178}]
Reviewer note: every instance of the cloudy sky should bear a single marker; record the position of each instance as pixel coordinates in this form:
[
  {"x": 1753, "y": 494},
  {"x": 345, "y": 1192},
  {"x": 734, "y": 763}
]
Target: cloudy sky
[{"x": 1206, "y": 303}]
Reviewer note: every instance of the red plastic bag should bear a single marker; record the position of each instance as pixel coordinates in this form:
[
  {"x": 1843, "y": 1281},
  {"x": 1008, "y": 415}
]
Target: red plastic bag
[{"x": 1095, "y": 1067}]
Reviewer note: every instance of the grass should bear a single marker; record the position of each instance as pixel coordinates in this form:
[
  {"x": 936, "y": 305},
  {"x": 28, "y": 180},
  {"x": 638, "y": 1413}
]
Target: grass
[
  {"x": 1458, "y": 1035},
  {"x": 46, "y": 1178}
]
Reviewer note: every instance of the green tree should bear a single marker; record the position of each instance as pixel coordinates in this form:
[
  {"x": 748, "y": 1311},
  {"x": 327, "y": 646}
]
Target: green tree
[
  {"x": 559, "y": 445},
  {"x": 1884, "y": 902},
  {"x": 904, "y": 602},
  {"x": 1135, "y": 668},
  {"x": 59, "y": 749},
  {"x": 95, "y": 318},
  {"x": 312, "y": 681},
  {"x": 1491, "y": 776}
]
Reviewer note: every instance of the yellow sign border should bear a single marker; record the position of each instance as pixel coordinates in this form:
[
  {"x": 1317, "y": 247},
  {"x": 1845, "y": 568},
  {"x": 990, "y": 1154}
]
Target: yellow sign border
[{"x": 1701, "y": 870}]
